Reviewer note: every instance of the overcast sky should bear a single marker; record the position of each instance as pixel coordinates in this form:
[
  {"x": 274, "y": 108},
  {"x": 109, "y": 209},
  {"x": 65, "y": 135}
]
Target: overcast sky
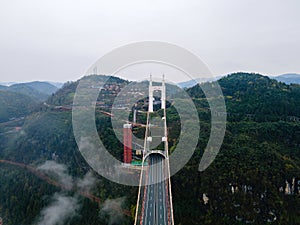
[{"x": 58, "y": 40}]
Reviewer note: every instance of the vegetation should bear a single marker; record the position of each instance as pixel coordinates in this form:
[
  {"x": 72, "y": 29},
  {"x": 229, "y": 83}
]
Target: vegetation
[
  {"x": 19, "y": 100},
  {"x": 245, "y": 184},
  {"x": 14, "y": 105},
  {"x": 38, "y": 91}
]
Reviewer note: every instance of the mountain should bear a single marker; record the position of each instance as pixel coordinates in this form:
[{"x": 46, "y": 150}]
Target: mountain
[
  {"x": 7, "y": 83},
  {"x": 18, "y": 100},
  {"x": 56, "y": 84},
  {"x": 42, "y": 87},
  {"x": 259, "y": 95},
  {"x": 290, "y": 78},
  {"x": 47, "y": 134},
  {"x": 38, "y": 91},
  {"x": 14, "y": 105},
  {"x": 254, "y": 178},
  {"x": 2, "y": 87},
  {"x": 256, "y": 95},
  {"x": 191, "y": 83}
]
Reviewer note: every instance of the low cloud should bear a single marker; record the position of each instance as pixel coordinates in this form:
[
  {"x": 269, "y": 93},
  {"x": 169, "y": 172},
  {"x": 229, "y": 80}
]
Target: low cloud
[
  {"x": 86, "y": 183},
  {"x": 62, "y": 208},
  {"x": 58, "y": 170},
  {"x": 65, "y": 207},
  {"x": 113, "y": 208}
]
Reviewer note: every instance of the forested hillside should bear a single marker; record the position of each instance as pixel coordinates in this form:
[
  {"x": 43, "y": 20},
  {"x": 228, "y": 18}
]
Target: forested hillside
[
  {"x": 14, "y": 105},
  {"x": 254, "y": 179},
  {"x": 39, "y": 91},
  {"x": 19, "y": 100}
]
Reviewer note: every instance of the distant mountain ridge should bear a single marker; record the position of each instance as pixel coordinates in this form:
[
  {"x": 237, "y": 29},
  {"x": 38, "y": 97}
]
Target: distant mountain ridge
[
  {"x": 2, "y": 87},
  {"x": 7, "y": 83},
  {"x": 56, "y": 84},
  {"x": 14, "y": 105},
  {"x": 191, "y": 83},
  {"x": 289, "y": 78},
  {"x": 38, "y": 91},
  {"x": 18, "y": 100},
  {"x": 42, "y": 87}
]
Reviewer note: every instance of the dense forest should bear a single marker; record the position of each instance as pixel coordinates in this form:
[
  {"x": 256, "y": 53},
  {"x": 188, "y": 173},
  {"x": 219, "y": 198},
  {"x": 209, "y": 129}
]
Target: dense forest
[
  {"x": 20, "y": 100},
  {"x": 14, "y": 105},
  {"x": 254, "y": 179}
]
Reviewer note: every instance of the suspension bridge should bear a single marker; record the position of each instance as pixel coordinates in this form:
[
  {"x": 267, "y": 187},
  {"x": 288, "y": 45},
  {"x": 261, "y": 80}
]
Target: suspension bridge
[{"x": 154, "y": 203}]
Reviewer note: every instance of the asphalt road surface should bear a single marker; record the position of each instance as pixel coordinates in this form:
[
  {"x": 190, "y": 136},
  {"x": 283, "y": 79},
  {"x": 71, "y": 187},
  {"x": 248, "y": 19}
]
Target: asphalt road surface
[{"x": 156, "y": 211}]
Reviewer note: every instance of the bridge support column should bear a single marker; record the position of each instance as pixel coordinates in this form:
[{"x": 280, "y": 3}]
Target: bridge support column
[{"x": 127, "y": 143}]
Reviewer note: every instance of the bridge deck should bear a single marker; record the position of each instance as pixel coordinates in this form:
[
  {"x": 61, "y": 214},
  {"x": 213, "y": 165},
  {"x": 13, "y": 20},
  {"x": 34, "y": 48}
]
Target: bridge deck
[{"x": 156, "y": 207}]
